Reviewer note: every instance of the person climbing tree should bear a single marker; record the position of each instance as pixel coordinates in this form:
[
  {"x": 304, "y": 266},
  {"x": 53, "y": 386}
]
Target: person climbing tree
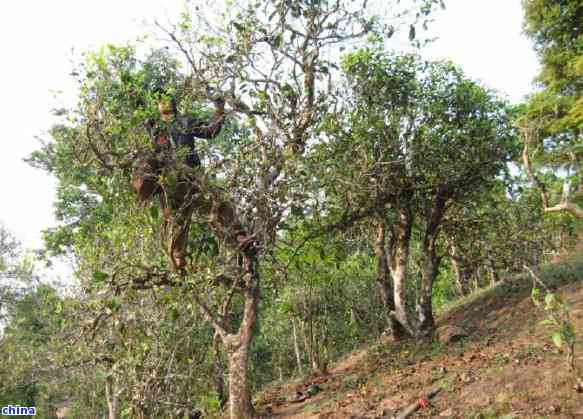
[{"x": 172, "y": 135}]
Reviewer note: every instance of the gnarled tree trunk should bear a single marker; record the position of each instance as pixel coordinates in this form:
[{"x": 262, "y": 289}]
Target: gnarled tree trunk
[
  {"x": 239, "y": 345},
  {"x": 429, "y": 272},
  {"x": 225, "y": 224},
  {"x": 399, "y": 271},
  {"x": 430, "y": 265},
  {"x": 384, "y": 280}
]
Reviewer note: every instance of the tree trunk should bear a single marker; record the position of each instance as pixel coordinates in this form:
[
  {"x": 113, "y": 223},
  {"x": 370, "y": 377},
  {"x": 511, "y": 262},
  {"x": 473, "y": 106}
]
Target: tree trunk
[
  {"x": 314, "y": 349},
  {"x": 239, "y": 394},
  {"x": 430, "y": 269},
  {"x": 218, "y": 372},
  {"x": 400, "y": 261},
  {"x": 310, "y": 344},
  {"x": 461, "y": 271},
  {"x": 111, "y": 396},
  {"x": 313, "y": 346},
  {"x": 430, "y": 265},
  {"x": 491, "y": 266},
  {"x": 226, "y": 226},
  {"x": 239, "y": 345},
  {"x": 461, "y": 280},
  {"x": 297, "y": 347},
  {"x": 383, "y": 274},
  {"x": 385, "y": 282}
]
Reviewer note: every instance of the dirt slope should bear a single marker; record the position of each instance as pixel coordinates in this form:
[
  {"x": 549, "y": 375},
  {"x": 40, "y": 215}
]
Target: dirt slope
[{"x": 506, "y": 368}]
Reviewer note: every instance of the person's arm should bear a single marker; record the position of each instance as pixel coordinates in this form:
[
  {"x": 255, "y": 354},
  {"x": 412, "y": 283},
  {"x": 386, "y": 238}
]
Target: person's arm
[{"x": 207, "y": 131}]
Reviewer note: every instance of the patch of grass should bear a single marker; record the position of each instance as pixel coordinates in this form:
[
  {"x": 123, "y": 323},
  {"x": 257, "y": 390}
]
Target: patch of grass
[
  {"x": 376, "y": 381},
  {"x": 376, "y": 352},
  {"x": 437, "y": 349},
  {"x": 500, "y": 360},
  {"x": 447, "y": 382},
  {"x": 496, "y": 371},
  {"x": 569, "y": 270},
  {"x": 528, "y": 352},
  {"x": 463, "y": 301},
  {"x": 351, "y": 382}
]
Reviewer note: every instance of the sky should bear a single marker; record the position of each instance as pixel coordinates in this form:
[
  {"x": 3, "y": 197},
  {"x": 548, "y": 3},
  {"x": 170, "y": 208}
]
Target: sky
[
  {"x": 485, "y": 38},
  {"x": 38, "y": 40}
]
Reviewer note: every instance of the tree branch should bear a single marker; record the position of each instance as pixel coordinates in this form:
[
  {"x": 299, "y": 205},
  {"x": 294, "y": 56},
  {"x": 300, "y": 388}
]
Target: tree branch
[{"x": 565, "y": 205}]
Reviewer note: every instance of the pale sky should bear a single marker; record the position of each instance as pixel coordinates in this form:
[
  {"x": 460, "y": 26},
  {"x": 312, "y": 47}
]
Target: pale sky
[{"x": 36, "y": 38}]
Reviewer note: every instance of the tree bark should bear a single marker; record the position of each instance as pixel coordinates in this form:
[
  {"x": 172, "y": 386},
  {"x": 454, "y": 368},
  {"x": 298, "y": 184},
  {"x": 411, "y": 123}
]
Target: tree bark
[
  {"x": 430, "y": 270},
  {"x": 240, "y": 406},
  {"x": 399, "y": 263},
  {"x": 297, "y": 347},
  {"x": 430, "y": 264},
  {"x": 310, "y": 344},
  {"x": 384, "y": 280},
  {"x": 491, "y": 263},
  {"x": 462, "y": 271},
  {"x": 462, "y": 275},
  {"x": 111, "y": 396},
  {"x": 218, "y": 372},
  {"x": 565, "y": 205},
  {"x": 383, "y": 274},
  {"x": 238, "y": 346}
]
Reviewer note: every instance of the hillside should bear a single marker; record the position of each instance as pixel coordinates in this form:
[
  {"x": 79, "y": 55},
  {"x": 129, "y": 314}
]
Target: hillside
[{"x": 507, "y": 367}]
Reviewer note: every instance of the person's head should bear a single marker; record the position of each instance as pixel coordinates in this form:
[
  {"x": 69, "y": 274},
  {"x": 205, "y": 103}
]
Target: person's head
[{"x": 167, "y": 109}]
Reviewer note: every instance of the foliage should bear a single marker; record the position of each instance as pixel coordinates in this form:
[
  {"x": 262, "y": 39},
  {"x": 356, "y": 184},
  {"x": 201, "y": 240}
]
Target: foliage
[
  {"x": 268, "y": 62},
  {"x": 552, "y": 119},
  {"x": 555, "y": 28},
  {"x": 412, "y": 140},
  {"x": 26, "y": 349},
  {"x": 558, "y": 317}
]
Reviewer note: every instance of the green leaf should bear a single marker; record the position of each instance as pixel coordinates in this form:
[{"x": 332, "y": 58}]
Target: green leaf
[
  {"x": 154, "y": 212},
  {"x": 411, "y": 33},
  {"x": 114, "y": 303},
  {"x": 535, "y": 294},
  {"x": 557, "y": 339},
  {"x": 550, "y": 299},
  {"x": 99, "y": 277},
  {"x": 277, "y": 41}
]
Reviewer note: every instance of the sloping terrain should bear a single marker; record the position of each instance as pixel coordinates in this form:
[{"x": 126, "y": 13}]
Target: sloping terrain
[{"x": 507, "y": 367}]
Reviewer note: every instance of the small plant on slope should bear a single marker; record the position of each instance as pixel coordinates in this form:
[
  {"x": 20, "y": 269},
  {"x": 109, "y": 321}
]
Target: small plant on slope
[{"x": 559, "y": 317}]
